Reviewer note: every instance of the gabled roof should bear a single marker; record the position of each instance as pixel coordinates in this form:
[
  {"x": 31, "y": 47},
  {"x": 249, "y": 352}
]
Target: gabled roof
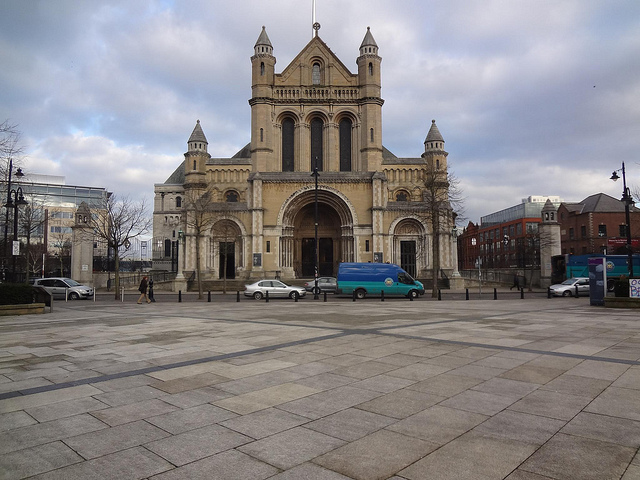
[
  {"x": 318, "y": 44},
  {"x": 598, "y": 203}
]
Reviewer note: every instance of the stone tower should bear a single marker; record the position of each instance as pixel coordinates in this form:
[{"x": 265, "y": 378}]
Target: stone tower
[
  {"x": 82, "y": 246},
  {"x": 549, "y": 231}
]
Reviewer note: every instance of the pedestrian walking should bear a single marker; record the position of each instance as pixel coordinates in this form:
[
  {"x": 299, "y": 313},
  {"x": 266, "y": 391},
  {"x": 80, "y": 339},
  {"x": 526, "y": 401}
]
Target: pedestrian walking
[
  {"x": 143, "y": 290},
  {"x": 151, "y": 290},
  {"x": 516, "y": 282}
]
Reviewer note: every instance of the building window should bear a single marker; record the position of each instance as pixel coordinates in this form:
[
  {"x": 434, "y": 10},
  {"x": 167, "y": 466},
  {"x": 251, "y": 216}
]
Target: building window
[
  {"x": 402, "y": 196},
  {"x": 316, "y": 74},
  {"x": 571, "y": 235},
  {"x": 287, "y": 145},
  {"x": 261, "y": 68},
  {"x": 345, "y": 145},
  {"x": 268, "y": 246},
  {"x": 602, "y": 230},
  {"x": 195, "y": 166},
  {"x": 370, "y": 69},
  {"x": 623, "y": 230},
  {"x": 178, "y": 202},
  {"x": 366, "y": 245},
  {"x": 371, "y": 134},
  {"x": 231, "y": 197},
  {"x": 317, "y": 127},
  {"x": 583, "y": 231},
  {"x": 262, "y": 134},
  {"x": 167, "y": 248}
]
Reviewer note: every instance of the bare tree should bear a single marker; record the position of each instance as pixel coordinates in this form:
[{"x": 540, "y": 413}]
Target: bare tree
[
  {"x": 118, "y": 222},
  {"x": 197, "y": 218},
  {"x": 61, "y": 250},
  {"x": 32, "y": 219},
  {"x": 442, "y": 204}
]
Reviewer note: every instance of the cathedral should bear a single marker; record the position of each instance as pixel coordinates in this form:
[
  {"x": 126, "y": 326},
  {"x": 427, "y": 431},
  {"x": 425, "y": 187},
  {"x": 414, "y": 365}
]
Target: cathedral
[{"x": 314, "y": 187}]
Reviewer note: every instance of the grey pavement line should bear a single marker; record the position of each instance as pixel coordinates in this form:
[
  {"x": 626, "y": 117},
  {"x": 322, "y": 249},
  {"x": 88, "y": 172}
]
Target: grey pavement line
[{"x": 343, "y": 332}]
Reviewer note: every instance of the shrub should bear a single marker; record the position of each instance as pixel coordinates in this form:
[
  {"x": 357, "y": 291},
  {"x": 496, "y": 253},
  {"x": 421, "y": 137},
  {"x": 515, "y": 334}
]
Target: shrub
[{"x": 16, "y": 294}]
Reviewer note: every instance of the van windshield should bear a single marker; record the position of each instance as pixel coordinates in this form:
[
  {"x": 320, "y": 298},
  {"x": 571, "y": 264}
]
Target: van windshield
[{"x": 404, "y": 277}]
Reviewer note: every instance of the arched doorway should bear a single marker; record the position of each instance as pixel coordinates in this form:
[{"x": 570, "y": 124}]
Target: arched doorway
[
  {"x": 329, "y": 240},
  {"x": 409, "y": 246},
  {"x": 226, "y": 246}
]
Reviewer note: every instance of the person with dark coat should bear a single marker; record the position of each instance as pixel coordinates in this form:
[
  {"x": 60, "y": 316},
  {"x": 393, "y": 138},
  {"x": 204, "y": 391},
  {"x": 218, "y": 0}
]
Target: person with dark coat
[
  {"x": 516, "y": 282},
  {"x": 151, "y": 290},
  {"x": 143, "y": 290}
]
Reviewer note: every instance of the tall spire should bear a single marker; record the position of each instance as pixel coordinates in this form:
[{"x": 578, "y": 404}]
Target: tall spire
[{"x": 314, "y": 25}]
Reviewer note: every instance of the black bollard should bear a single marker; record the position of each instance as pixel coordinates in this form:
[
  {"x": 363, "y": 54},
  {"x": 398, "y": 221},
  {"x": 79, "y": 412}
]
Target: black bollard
[
  {"x": 267, "y": 297},
  {"x": 522, "y": 293},
  {"x": 549, "y": 292},
  {"x": 495, "y": 293},
  {"x": 325, "y": 296},
  {"x": 382, "y": 295},
  {"x": 354, "y": 295},
  {"x": 439, "y": 294},
  {"x": 237, "y": 296},
  {"x": 209, "y": 297},
  {"x": 179, "y": 296},
  {"x": 295, "y": 296},
  {"x": 467, "y": 296},
  {"x": 577, "y": 294},
  {"x": 410, "y": 297}
]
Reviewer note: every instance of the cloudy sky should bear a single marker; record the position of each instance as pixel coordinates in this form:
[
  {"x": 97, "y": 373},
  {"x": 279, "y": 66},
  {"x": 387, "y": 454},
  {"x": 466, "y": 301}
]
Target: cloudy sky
[{"x": 533, "y": 97}]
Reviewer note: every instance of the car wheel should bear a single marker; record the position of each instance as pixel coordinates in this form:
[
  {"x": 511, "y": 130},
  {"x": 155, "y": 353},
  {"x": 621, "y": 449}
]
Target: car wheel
[
  {"x": 413, "y": 294},
  {"x": 292, "y": 295},
  {"x": 567, "y": 293},
  {"x": 74, "y": 296},
  {"x": 360, "y": 294},
  {"x": 258, "y": 295}
]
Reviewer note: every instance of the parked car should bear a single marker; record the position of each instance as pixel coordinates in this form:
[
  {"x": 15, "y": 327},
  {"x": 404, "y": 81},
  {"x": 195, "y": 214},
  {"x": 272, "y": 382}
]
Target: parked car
[
  {"x": 276, "y": 288},
  {"x": 568, "y": 287},
  {"x": 325, "y": 284},
  {"x": 61, "y": 286}
]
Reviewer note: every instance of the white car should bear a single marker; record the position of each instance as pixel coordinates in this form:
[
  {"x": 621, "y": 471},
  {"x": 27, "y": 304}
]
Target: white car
[
  {"x": 568, "y": 287},
  {"x": 61, "y": 286},
  {"x": 275, "y": 288}
]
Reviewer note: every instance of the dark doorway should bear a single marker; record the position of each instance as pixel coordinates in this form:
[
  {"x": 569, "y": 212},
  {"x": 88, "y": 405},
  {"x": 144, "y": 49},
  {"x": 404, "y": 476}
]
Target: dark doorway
[
  {"x": 229, "y": 249},
  {"x": 408, "y": 256},
  {"x": 325, "y": 257}
]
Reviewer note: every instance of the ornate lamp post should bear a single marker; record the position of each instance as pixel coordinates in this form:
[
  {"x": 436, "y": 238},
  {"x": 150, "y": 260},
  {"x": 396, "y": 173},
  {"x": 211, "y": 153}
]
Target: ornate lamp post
[
  {"x": 18, "y": 199},
  {"x": 315, "y": 246},
  {"x": 6, "y": 215},
  {"x": 628, "y": 200}
]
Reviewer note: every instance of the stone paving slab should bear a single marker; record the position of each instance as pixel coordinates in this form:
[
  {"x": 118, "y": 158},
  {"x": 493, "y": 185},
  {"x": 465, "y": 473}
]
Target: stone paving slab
[{"x": 524, "y": 390}]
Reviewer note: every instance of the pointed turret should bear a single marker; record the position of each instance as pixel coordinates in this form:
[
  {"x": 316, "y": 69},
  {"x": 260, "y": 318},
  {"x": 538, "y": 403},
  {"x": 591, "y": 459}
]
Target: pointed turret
[
  {"x": 197, "y": 140},
  {"x": 368, "y": 45},
  {"x": 196, "y": 158},
  {"x": 263, "y": 44},
  {"x": 434, "y": 148}
]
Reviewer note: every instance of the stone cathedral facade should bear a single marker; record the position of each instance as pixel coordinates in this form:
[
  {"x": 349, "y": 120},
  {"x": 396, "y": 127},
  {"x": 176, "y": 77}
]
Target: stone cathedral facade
[{"x": 261, "y": 203}]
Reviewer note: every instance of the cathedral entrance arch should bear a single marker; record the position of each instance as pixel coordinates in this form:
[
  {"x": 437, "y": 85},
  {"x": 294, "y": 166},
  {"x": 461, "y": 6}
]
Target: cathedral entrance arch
[
  {"x": 335, "y": 233},
  {"x": 409, "y": 246}
]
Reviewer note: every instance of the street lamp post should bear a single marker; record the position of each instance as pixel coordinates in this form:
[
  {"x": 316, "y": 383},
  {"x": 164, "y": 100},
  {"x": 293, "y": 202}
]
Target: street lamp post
[
  {"x": 628, "y": 200},
  {"x": 6, "y": 214},
  {"x": 315, "y": 246},
  {"x": 18, "y": 199}
]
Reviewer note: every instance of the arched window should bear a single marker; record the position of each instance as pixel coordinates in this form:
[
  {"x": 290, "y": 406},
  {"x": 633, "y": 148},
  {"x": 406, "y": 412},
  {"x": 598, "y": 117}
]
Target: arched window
[
  {"x": 231, "y": 196},
  {"x": 287, "y": 144},
  {"x": 370, "y": 68},
  {"x": 261, "y": 68},
  {"x": 317, "y": 127},
  {"x": 345, "y": 145},
  {"x": 262, "y": 134},
  {"x": 402, "y": 196},
  {"x": 178, "y": 202},
  {"x": 194, "y": 165},
  {"x": 316, "y": 74},
  {"x": 371, "y": 134}
]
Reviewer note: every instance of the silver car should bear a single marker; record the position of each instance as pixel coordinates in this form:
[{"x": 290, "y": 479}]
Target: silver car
[
  {"x": 61, "y": 286},
  {"x": 568, "y": 287},
  {"x": 275, "y": 288}
]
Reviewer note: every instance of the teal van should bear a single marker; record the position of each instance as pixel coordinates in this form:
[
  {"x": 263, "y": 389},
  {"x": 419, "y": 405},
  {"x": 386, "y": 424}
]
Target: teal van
[{"x": 374, "y": 278}]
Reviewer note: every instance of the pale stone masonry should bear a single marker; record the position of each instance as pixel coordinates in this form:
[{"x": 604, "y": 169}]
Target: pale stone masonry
[{"x": 372, "y": 205}]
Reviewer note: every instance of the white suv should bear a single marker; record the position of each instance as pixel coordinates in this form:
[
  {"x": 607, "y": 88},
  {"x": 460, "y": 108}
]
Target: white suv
[{"x": 60, "y": 286}]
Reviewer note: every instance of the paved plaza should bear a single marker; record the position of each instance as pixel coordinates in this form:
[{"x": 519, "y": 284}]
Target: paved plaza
[{"x": 523, "y": 389}]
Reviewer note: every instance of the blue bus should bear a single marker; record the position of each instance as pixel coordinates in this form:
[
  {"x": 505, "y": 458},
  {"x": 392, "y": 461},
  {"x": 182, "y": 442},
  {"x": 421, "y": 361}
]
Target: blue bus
[{"x": 364, "y": 279}]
